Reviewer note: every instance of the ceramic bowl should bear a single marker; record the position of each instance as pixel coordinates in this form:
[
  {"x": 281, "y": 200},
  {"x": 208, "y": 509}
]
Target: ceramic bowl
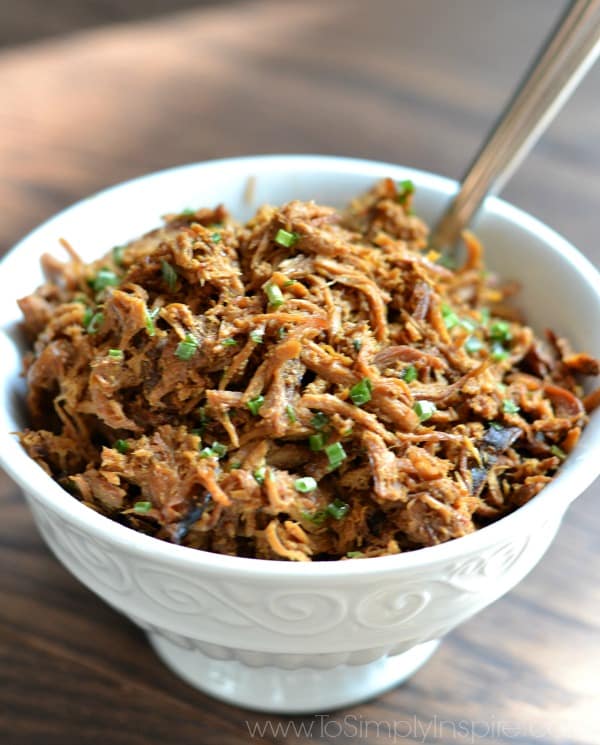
[{"x": 278, "y": 636}]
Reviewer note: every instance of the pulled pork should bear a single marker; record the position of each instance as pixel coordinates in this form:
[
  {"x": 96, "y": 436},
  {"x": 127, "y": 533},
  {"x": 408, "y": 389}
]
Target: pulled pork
[{"x": 312, "y": 385}]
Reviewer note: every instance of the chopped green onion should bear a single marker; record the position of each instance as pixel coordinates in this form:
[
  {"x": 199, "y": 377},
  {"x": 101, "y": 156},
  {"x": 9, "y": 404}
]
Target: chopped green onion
[
  {"x": 405, "y": 188},
  {"x": 500, "y": 331},
  {"x": 259, "y": 475},
  {"x": 468, "y": 324},
  {"x": 354, "y": 554},
  {"x": 202, "y": 417},
  {"x": 496, "y": 425},
  {"x": 215, "y": 237},
  {"x": 336, "y": 454},
  {"x": 305, "y": 485},
  {"x": 285, "y": 238},
  {"x": 87, "y": 317},
  {"x": 122, "y": 446},
  {"x": 473, "y": 344},
  {"x": 117, "y": 255},
  {"x": 257, "y": 336},
  {"x": 450, "y": 318},
  {"x": 94, "y": 323},
  {"x": 497, "y": 352},
  {"x": 229, "y": 342},
  {"x": 142, "y": 507},
  {"x": 196, "y": 431},
  {"x": 424, "y": 410},
  {"x": 559, "y": 452},
  {"x": 188, "y": 211},
  {"x": 357, "y": 344},
  {"x": 337, "y": 509},
  {"x": 219, "y": 449},
  {"x": 254, "y": 404},
  {"x": 361, "y": 392},
  {"x": 116, "y": 354},
  {"x": 484, "y": 314},
  {"x": 316, "y": 442},
  {"x": 186, "y": 349},
  {"x": 509, "y": 406},
  {"x": 216, "y": 450},
  {"x": 169, "y": 274},
  {"x": 447, "y": 261},
  {"x": 235, "y": 466},
  {"x": 150, "y": 325},
  {"x": 289, "y": 282},
  {"x": 291, "y": 414},
  {"x": 319, "y": 420},
  {"x": 318, "y": 517},
  {"x": 274, "y": 295},
  {"x": 409, "y": 374},
  {"x": 105, "y": 278},
  {"x": 281, "y": 332}
]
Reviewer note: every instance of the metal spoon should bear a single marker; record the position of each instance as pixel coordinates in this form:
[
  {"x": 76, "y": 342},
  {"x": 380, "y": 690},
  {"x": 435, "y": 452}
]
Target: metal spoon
[{"x": 570, "y": 51}]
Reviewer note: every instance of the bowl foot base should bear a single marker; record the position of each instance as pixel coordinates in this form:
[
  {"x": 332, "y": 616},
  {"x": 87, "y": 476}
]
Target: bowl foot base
[{"x": 301, "y": 691}]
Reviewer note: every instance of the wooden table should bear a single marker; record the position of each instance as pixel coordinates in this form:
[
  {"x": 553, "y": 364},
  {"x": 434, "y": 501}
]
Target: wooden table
[{"x": 417, "y": 82}]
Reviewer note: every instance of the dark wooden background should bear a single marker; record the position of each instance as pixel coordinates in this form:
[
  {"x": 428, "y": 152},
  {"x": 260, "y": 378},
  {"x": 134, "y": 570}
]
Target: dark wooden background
[{"x": 410, "y": 81}]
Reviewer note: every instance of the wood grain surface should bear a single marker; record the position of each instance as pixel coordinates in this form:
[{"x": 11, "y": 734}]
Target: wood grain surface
[{"x": 410, "y": 81}]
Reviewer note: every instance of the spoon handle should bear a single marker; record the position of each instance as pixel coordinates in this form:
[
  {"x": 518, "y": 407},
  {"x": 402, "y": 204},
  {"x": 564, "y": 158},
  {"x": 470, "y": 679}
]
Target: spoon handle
[{"x": 564, "y": 60}]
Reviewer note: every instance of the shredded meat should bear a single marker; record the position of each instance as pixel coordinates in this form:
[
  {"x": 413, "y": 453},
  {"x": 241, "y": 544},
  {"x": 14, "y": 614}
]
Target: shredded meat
[{"x": 309, "y": 386}]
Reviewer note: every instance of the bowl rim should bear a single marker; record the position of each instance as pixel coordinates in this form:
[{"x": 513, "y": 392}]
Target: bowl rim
[{"x": 549, "y": 504}]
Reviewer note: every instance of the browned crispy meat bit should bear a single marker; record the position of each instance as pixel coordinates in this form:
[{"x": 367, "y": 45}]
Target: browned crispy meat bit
[{"x": 312, "y": 385}]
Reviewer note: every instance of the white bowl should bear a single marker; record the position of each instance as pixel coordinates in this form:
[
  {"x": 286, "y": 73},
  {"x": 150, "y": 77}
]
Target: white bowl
[{"x": 278, "y": 636}]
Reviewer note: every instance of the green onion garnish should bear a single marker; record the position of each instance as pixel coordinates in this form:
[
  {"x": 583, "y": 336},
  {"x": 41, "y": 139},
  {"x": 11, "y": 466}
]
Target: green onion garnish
[
  {"x": 274, "y": 295},
  {"x": 169, "y": 274},
  {"x": 319, "y": 420},
  {"x": 259, "y": 475},
  {"x": 357, "y": 344},
  {"x": 94, "y": 323},
  {"x": 117, "y": 255},
  {"x": 484, "y": 315},
  {"x": 150, "y": 325},
  {"x": 188, "y": 212},
  {"x": 254, "y": 404},
  {"x": 215, "y": 237},
  {"x": 229, "y": 342},
  {"x": 424, "y": 410},
  {"x": 186, "y": 349},
  {"x": 500, "y": 331},
  {"x": 281, "y": 332},
  {"x": 116, "y": 354},
  {"x": 497, "y": 352},
  {"x": 559, "y": 452},
  {"x": 354, "y": 554},
  {"x": 305, "y": 484},
  {"x": 122, "y": 446},
  {"x": 473, "y": 344},
  {"x": 316, "y": 442},
  {"x": 336, "y": 454},
  {"x": 450, "y": 318},
  {"x": 291, "y": 414},
  {"x": 447, "y": 261},
  {"x": 235, "y": 466},
  {"x": 409, "y": 374},
  {"x": 405, "y": 188},
  {"x": 142, "y": 507},
  {"x": 285, "y": 238},
  {"x": 509, "y": 406},
  {"x": 289, "y": 282},
  {"x": 318, "y": 517},
  {"x": 104, "y": 278},
  {"x": 257, "y": 336},
  {"x": 337, "y": 509},
  {"x": 216, "y": 450},
  {"x": 496, "y": 425},
  {"x": 361, "y": 392}
]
